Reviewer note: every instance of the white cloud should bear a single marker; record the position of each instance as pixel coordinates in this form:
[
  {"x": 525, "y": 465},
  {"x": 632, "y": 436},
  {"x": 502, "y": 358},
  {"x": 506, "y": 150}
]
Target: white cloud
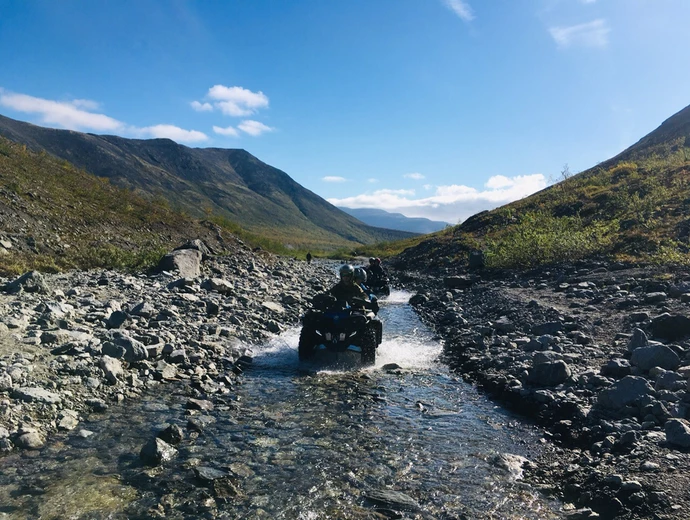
[
  {"x": 236, "y": 101},
  {"x": 73, "y": 115},
  {"x": 201, "y": 107},
  {"x": 254, "y": 127},
  {"x": 372, "y": 180},
  {"x": 226, "y": 131},
  {"x": 592, "y": 34},
  {"x": 172, "y": 132},
  {"x": 416, "y": 176},
  {"x": 332, "y": 178},
  {"x": 77, "y": 115},
  {"x": 461, "y": 8},
  {"x": 451, "y": 203}
]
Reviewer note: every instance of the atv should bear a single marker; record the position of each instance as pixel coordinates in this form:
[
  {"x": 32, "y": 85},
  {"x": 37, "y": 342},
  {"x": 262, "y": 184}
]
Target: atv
[
  {"x": 379, "y": 286},
  {"x": 335, "y": 331}
]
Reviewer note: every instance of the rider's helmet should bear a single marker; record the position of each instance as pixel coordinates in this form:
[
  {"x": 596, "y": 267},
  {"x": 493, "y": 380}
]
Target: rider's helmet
[
  {"x": 378, "y": 261},
  {"x": 372, "y": 260},
  {"x": 360, "y": 275},
  {"x": 347, "y": 273}
]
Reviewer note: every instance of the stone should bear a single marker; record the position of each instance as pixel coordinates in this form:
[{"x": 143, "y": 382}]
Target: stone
[
  {"x": 624, "y": 392},
  {"x": 678, "y": 433},
  {"x": 652, "y": 356},
  {"x": 36, "y": 395},
  {"x": 185, "y": 261},
  {"x": 157, "y": 452},
  {"x": 112, "y": 368},
  {"x": 549, "y": 373}
]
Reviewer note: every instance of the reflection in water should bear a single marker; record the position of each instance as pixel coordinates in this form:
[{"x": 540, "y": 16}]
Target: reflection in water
[{"x": 300, "y": 441}]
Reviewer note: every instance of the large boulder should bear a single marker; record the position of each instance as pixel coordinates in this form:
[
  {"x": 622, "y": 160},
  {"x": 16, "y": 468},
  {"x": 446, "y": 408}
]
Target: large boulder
[
  {"x": 31, "y": 282},
  {"x": 652, "y": 356},
  {"x": 550, "y": 373},
  {"x": 678, "y": 433},
  {"x": 671, "y": 327},
  {"x": 628, "y": 390},
  {"x": 185, "y": 261}
]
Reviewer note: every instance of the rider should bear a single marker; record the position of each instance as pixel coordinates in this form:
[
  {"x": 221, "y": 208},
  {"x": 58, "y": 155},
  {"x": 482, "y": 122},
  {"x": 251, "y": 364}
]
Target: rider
[
  {"x": 346, "y": 289},
  {"x": 360, "y": 279},
  {"x": 376, "y": 272}
]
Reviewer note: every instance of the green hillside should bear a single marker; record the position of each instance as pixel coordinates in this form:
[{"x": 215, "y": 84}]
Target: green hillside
[
  {"x": 54, "y": 216},
  {"x": 633, "y": 207}
]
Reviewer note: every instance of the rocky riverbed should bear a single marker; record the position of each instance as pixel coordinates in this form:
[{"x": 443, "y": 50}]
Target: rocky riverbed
[
  {"x": 76, "y": 343},
  {"x": 597, "y": 354}
]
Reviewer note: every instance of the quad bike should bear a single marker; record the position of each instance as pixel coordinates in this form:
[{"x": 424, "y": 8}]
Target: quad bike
[
  {"x": 335, "y": 330},
  {"x": 379, "y": 286}
]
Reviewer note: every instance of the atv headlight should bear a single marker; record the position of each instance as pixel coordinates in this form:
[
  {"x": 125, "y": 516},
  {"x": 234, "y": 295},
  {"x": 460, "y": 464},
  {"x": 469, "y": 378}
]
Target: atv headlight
[{"x": 342, "y": 336}]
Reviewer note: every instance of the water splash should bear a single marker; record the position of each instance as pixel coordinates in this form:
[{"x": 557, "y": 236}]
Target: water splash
[{"x": 407, "y": 342}]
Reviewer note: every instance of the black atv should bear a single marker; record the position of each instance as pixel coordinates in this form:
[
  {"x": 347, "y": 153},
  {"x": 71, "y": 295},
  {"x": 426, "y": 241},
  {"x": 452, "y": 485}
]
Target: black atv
[
  {"x": 379, "y": 286},
  {"x": 335, "y": 331}
]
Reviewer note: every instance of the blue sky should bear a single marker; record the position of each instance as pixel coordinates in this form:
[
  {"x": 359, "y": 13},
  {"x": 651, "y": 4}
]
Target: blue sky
[{"x": 432, "y": 108}]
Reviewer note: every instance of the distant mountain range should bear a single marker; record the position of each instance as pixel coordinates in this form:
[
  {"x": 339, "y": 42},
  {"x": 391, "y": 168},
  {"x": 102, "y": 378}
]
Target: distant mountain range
[
  {"x": 205, "y": 182},
  {"x": 385, "y": 219}
]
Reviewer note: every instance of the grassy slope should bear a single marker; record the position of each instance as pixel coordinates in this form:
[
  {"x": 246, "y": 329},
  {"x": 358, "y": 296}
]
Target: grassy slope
[
  {"x": 633, "y": 207},
  {"x": 56, "y": 217}
]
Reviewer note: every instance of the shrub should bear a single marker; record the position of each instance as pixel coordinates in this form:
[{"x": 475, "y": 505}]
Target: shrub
[{"x": 541, "y": 238}]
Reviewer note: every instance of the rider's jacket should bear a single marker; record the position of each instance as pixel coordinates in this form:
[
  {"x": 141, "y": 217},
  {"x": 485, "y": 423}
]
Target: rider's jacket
[{"x": 348, "y": 291}]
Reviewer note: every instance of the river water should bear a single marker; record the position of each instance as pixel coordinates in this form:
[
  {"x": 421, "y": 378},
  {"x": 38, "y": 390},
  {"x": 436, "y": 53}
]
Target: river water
[{"x": 298, "y": 441}]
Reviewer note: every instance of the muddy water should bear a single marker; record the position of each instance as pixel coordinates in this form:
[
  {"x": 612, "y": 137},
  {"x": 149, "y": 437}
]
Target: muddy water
[{"x": 299, "y": 441}]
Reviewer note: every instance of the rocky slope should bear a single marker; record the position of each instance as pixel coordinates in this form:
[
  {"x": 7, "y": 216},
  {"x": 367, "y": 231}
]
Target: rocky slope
[{"x": 598, "y": 354}]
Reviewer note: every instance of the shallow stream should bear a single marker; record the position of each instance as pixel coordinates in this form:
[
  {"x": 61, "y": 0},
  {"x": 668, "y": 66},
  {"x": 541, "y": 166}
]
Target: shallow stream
[{"x": 298, "y": 442}]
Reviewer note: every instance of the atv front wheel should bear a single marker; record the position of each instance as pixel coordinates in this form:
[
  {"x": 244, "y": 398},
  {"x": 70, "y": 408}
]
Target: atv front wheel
[
  {"x": 306, "y": 345},
  {"x": 369, "y": 346}
]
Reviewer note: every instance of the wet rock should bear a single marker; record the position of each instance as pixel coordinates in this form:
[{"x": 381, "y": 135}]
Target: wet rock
[
  {"x": 173, "y": 434},
  {"x": 156, "y": 452},
  {"x": 208, "y": 474},
  {"x": 29, "y": 439},
  {"x": 199, "y": 404},
  {"x": 394, "y": 500},
  {"x": 68, "y": 420}
]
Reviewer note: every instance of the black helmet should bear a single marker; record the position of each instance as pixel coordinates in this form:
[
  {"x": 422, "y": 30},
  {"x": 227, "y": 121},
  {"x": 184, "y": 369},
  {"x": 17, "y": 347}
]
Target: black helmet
[
  {"x": 372, "y": 260},
  {"x": 360, "y": 275},
  {"x": 347, "y": 270}
]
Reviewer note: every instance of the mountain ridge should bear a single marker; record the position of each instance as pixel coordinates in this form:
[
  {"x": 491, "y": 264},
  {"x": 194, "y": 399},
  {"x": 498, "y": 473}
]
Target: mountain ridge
[
  {"x": 229, "y": 183},
  {"x": 385, "y": 219}
]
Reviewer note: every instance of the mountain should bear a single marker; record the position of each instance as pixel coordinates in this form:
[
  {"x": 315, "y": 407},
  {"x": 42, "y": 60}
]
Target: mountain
[
  {"x": 54, "y": 216},
  {"x": 632, "y": 207},
  {"x": 204, "y": 182},
  {"x": 384, "y": 219}
]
